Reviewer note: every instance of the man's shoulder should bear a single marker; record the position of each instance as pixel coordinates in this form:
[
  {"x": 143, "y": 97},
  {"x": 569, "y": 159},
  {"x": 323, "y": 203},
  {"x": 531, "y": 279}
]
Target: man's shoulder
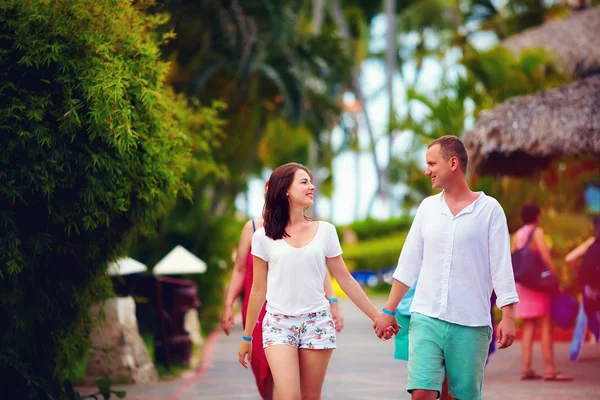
[
  {"x": 494, "y": 210},
  {"x": 492, "y": 202},
  {"x": 432, "y": 200}
]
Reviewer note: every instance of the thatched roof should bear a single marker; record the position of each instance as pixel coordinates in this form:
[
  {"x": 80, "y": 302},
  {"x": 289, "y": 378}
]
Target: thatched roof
[
  {"x": 525, "y": 133},
  {"x": 572, "y": 40}
]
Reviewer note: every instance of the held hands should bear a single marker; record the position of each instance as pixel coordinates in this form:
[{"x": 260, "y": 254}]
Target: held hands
[
  {"x": 506, "y": 332},
  {"x": 245, "y": 350},
  {"x": 386, "y": 326},
  {"x": 227, "y": 319}
]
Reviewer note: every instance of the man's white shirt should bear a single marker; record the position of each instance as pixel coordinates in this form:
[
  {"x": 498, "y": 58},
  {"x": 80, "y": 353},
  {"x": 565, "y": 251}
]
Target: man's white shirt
[{"x": 459, "y": 260}]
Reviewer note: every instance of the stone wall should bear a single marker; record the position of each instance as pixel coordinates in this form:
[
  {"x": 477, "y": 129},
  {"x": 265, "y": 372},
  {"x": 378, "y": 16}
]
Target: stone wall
[{"x": 120, "y": 353}]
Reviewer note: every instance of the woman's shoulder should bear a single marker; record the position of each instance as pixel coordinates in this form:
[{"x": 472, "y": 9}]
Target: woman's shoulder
[
  {"x": 326, "y": 224},
  {"x": 259, "y": 233},
  {"x": 523, "y": 232},
  {"x": 520, "y": 231},
  {"x": 525, "y": 229}
]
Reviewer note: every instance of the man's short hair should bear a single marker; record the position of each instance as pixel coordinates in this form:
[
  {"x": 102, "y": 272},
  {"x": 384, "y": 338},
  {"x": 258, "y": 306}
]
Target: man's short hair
[{"x": 451, "y": 146}]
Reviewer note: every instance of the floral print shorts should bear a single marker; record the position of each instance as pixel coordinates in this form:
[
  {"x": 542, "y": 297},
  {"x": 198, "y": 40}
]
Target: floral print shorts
[{"x": 307, "y": 331}]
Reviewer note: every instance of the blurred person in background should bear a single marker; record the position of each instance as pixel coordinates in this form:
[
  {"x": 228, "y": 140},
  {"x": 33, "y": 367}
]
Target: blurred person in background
[
  {"x": 534, "y": 306},
  {"x": 585, "y": 259}
]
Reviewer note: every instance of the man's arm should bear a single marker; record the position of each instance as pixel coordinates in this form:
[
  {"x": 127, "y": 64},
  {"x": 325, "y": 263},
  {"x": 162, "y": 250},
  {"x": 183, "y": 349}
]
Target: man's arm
[
  {"x": 506, "y": 327},
  {"x": 406, "y": 274},
  {"x": 503, "y": 280}
]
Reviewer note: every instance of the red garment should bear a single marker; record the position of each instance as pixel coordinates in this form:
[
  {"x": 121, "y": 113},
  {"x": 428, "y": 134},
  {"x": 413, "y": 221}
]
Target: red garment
[{"x": 259, "y": 364}]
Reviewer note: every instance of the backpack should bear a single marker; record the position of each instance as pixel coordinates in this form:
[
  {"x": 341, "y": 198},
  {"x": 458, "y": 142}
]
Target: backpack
[
  {"x": 589, "y": 272},
  {"x": 531, "y": 271}
]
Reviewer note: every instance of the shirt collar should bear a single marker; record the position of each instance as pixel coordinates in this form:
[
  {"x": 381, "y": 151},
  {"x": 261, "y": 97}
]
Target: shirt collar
[{"x": 444, "y": 209}]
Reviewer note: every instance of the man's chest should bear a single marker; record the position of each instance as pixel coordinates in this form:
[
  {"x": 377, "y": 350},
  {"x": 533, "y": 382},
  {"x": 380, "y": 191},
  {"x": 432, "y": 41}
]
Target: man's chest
[
  {"x": 461, "y": 233},
  {"x": 457, "y": 206}
]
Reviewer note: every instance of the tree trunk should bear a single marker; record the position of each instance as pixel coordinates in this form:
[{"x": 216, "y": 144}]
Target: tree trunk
[
  {"x": 357, "y": 190},
  {"x": 390, "y": 69},
  {"x": 317, "y": 16},
  {"x": 338, "y": 17},
  {"x": 313, "y": 150}
]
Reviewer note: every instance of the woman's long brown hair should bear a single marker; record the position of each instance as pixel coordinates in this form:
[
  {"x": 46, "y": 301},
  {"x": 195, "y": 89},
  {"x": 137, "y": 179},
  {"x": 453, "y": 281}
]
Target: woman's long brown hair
[{"x": 276, "y": 212}]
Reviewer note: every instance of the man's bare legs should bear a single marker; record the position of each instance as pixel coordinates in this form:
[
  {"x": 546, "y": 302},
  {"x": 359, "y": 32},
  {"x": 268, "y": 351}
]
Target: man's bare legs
[
  {"x": 424, "y": 394},
  {"x": 432, "y": 394},
  {"x": 445, "y": 393}
]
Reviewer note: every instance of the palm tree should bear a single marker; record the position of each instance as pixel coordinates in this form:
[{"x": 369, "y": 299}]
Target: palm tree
[{"x": 263, "y": 60}]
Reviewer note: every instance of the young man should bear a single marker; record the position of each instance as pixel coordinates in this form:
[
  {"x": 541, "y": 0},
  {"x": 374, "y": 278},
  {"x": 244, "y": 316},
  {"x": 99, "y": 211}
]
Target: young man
[{"x": 459, "y": 248}]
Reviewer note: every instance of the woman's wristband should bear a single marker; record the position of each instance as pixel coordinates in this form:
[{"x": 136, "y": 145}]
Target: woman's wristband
[
  {"x": 333, "y": 300},
  {"x": 388, "y": 312},
  {"x": 246, "y": 338}
]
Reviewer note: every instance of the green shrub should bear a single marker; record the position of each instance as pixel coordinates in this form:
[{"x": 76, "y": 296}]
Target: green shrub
[
  {"x": 370, "y": 228},
  {"x": 376, "y": 253},
  {"x": 91, "y": 153}
]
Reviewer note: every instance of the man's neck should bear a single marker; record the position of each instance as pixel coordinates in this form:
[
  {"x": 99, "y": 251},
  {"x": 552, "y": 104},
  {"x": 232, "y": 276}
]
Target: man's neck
[{"x": 458, "y": 191}]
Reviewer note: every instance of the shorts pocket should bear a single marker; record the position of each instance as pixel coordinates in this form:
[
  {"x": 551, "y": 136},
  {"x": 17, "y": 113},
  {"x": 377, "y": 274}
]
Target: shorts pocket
[{"x": 487, "y": 332}]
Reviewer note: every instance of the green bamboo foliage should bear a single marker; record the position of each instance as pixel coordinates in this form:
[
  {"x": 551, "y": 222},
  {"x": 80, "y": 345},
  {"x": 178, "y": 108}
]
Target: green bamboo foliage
[{"x": 91, "y": 152}]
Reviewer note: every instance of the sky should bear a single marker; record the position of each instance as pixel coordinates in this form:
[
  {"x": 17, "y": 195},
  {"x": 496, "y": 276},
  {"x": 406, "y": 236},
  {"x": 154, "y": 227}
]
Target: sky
[{"x": 342, "y": 208}]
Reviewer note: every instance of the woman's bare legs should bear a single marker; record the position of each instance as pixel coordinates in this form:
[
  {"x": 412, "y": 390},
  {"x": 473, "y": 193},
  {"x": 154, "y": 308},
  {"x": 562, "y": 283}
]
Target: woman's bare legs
[
  {"x": 527, "y": 346},
  {"x": 313, "y": 367},
  {"x": 547, "y": 345},
  {"x": 284, "y": 364}
]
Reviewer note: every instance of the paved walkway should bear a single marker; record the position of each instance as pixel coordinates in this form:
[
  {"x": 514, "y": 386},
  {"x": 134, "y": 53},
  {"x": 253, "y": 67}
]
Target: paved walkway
[{"x": 363, "y": 368}]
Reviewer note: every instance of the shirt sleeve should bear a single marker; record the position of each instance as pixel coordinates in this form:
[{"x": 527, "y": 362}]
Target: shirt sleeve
[
  {"x": 258, "y": 245},
  {"x": 333, "y": 247},
  {"x": 503, "y": 279},
  {"x": 411, "y": 256}
]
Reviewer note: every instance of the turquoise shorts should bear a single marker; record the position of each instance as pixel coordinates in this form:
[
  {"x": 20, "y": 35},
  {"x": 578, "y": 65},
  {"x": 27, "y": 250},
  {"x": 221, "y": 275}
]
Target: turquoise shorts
[{"x": 438, "y": 348}]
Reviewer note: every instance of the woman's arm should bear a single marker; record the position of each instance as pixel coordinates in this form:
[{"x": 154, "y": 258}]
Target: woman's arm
[
  {"x": 577, "y": 253},
  {"x": 237, "y": 277},
  {"x": 542, "y": 246},
  {"x": 351, "y": 287},
  {"x": 335, "y": 309},
  {"x": 257, "y": 299}
]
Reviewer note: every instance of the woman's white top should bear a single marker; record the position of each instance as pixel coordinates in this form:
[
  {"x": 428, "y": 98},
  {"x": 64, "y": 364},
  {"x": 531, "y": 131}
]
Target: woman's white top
[{"x": 295, "y": 275}]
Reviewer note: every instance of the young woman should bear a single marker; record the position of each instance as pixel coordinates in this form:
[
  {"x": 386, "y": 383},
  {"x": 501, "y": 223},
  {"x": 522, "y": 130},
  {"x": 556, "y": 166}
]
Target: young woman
[
  {"x": 241, "y": 278},
  {"x": 291, "y": 254},
  {"x": 534, "y": 306}
]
